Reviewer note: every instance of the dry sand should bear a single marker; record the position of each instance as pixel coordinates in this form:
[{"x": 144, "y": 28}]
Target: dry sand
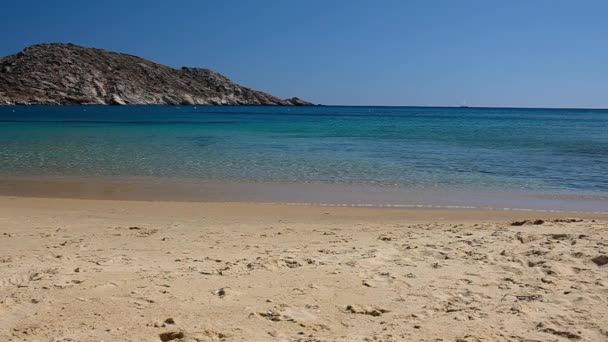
[{"x": 88, "y": 270}]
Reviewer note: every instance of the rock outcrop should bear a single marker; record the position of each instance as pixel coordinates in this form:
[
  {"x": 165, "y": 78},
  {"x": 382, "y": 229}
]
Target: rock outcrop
[{"x": 61, "y": 74}]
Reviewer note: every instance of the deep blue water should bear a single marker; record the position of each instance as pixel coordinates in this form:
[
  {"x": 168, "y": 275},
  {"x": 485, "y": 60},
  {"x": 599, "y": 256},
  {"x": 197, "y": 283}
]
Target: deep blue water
[{"x": 454, "y": 148}]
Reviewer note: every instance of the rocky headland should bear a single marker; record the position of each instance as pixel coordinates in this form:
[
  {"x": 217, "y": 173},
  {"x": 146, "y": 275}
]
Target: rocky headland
[{"x": 68, "y": 74}]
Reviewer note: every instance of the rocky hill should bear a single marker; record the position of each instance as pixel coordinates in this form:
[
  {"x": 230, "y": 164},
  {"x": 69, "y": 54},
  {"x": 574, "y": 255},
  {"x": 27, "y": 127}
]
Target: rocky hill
[{"x": 70, "y": 74}]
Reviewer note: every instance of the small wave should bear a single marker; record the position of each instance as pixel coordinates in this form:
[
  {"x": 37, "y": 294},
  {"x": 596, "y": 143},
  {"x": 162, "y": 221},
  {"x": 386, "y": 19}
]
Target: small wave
[{"x": 429, "y": 206}]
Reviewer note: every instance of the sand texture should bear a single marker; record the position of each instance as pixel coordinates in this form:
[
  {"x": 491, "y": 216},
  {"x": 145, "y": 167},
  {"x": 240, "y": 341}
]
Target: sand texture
[{"x": 86, "y": 270}]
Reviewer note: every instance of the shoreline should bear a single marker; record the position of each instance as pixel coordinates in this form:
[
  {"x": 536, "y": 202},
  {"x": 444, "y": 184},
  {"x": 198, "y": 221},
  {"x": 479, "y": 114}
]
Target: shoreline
[
  {"x": 296, "y": 194},
  {"x": 251, "y": 210}
]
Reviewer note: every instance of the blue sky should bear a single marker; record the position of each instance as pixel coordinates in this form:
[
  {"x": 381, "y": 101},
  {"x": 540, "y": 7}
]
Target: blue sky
[{"x": 523, "y": 53}]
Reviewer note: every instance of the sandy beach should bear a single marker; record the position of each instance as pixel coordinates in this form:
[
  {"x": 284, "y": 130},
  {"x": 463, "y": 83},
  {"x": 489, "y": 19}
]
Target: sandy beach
[
  {"x": 303, "y": 171},
  {"x": 107, "y": 270}
]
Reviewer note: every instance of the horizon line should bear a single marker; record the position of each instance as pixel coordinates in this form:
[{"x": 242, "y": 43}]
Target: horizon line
[{"x": 313, "y": 105}]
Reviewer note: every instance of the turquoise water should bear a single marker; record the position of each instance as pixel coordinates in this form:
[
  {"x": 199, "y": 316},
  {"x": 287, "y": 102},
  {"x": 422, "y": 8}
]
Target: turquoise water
[{"x": 538, "y": 150}]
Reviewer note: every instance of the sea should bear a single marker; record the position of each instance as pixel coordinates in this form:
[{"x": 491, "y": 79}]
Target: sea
[{"x": 487, "y": 158}]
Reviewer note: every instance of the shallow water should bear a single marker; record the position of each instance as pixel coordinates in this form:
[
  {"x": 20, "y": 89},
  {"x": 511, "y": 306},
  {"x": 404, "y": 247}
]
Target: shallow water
[{"x": 554, "y": 151}]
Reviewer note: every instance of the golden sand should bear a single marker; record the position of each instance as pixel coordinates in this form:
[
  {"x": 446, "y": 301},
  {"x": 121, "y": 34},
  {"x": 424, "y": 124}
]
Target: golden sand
[{"x": 94, "y": 270}]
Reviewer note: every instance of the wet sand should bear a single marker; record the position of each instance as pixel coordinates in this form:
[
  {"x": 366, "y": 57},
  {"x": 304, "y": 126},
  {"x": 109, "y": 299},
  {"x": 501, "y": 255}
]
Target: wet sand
[
  {"x": 193, "y": 190},
  {"x": 108, "y": 270}
]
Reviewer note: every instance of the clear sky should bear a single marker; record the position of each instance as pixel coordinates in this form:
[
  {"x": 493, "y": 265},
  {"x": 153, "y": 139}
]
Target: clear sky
[{"x": 523, "y": 53}]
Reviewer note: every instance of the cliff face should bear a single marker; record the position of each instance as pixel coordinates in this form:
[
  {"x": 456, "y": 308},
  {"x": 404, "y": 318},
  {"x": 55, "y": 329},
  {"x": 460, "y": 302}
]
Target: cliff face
[{"x": 70, "y": 74}]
